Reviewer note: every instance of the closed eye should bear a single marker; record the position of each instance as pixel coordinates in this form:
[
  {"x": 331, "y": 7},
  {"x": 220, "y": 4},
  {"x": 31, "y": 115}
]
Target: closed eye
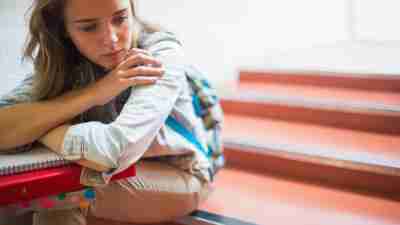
[
  {"x": 120, "y": 20},
  {"x": 88, "y": 28}
]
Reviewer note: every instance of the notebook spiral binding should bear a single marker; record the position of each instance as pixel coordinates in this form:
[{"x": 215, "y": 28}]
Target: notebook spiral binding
[{"x": 33, "y": 166}]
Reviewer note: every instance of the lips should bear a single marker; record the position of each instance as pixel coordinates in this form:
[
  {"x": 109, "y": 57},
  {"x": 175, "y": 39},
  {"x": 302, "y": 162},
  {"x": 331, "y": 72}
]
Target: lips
[{"x": 114, "y": 54}]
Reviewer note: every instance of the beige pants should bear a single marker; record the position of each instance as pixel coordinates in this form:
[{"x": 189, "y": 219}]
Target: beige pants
[{"x": 159, "y": 192}]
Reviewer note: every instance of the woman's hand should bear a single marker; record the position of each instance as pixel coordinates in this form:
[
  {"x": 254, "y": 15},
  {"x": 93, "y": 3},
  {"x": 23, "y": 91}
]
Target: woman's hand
[{"x": 139, "y": 68}]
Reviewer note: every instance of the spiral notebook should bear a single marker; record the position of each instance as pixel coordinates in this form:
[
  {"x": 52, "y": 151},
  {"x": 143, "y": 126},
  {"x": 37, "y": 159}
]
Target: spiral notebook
[
  {"x": 25, "y": 176},
  {"x": 37, "y": 158}
]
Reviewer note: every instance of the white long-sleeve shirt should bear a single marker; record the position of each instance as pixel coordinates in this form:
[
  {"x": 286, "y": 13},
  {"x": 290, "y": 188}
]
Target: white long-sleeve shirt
[{"x": 139, "y": 131}]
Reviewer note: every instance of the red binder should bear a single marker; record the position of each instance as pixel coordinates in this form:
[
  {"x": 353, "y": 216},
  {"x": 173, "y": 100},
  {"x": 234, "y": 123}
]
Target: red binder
[{"x": 45, "y": 182}]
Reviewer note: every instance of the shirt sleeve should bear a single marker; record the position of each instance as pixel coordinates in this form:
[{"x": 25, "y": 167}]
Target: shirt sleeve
[
  {"x": 20, "y": 94},
  {"x": 121, "y": 143}
]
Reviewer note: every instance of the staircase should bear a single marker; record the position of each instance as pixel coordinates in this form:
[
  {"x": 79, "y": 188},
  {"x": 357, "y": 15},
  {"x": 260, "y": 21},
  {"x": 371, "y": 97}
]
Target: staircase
[{"x": 311, "y": 148}]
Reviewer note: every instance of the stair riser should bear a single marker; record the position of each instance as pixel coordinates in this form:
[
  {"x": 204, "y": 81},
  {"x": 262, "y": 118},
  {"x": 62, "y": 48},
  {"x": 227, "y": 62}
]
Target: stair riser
[
  {"x": 390, "y": 83},
  {"x": 359, "y": 181},
  {"x": 366, "y": 121}
]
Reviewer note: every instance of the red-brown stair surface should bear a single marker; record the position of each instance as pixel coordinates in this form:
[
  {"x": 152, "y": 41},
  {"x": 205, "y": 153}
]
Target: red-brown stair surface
[
  {"x": 340, "y": 121},
  {"x": 379, "y": 82},
  {"x": 356, "y": 159},
  {"x": 95, "y": 221},
  {"x": 265, "y": 199},
  {"x": 311, "y": 148},
  {"x": 370, "y": 110}
]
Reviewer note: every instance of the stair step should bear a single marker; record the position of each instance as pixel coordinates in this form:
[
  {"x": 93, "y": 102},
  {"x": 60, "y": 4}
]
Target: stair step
[
  {"x": 379, "y": 82},
  {"x": 263, "y": 199},
  {"x": 293, "y": 147},
  {"x": 354, "y": 109},
  {"x": 378, "y": 100}
]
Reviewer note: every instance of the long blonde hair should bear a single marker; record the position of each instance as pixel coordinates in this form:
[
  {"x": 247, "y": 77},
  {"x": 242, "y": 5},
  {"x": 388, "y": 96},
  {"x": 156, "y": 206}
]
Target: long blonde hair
[{"x": 58, "y": 64}]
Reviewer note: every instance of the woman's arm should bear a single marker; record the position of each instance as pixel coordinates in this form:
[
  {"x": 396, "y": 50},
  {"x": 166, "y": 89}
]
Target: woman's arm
[
  {"x": 25, "y": 122},
  {"x": 141, "y": 118},
  {"x": 54, "y": 140}
]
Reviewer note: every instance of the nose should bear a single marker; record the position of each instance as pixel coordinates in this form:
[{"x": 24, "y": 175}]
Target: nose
[{"x": 110, "y": 37}]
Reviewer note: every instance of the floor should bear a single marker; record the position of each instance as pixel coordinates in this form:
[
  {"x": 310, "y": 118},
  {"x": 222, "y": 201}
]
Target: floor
[{"x": 265, "y": 199}]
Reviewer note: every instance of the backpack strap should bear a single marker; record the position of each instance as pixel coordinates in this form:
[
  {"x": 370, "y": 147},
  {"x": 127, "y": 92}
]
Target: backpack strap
[{"x": 180, "y": 129}]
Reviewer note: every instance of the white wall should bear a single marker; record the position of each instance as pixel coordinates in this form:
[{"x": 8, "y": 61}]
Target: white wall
[
  {"x": 223, "y": 36},
  {"x": 373, "y": 44},
  {"x": 12, "y": 37},
  {"x": 377, "y": 20}
]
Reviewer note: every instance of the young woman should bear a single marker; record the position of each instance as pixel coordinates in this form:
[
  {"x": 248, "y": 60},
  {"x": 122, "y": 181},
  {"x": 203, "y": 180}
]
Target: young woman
[{"x": 102, "y": 87}]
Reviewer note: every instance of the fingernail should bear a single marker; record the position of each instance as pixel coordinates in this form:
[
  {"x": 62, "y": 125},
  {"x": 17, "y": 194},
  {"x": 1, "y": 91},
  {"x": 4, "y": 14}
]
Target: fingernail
[{"x": 157, "y": 64}]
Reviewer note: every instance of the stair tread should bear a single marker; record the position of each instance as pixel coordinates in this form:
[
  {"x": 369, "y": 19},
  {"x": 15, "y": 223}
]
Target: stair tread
[
  {"x": 262, "y": 199},
  {"x": 254, "y": 74},
  {"x": 310, "y": 140},
  {"x": 329, "y": 96},
  {"x": 378, "y": 82}
]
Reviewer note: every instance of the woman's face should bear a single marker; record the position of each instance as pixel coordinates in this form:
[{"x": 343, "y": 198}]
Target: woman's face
[{"x": 100, "y": 29}]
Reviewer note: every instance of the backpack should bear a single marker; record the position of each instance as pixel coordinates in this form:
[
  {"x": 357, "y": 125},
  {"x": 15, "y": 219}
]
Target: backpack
[{"x": 206, "y": 106}]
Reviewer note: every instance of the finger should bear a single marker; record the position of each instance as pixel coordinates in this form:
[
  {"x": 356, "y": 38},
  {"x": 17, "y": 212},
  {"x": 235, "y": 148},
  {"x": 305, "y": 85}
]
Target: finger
[
  {"x": 139, "y": 59},
  {"x": 142, "y": 71},
  {"x": 134, "y": 51},
  {"x": 139, "y": 81}
]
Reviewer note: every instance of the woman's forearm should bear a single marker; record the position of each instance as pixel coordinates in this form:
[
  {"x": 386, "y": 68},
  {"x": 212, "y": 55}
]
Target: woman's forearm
[
  {"x": 24, "y": 123},
  {"x": 54, "y": 140}
]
